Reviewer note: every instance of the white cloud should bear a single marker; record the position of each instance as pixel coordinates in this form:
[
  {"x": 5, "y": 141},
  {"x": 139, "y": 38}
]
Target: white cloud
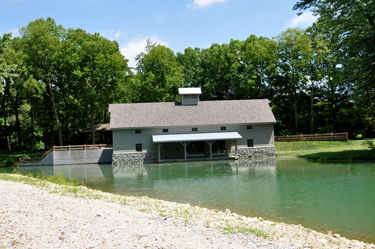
[
  {"x": 15, "y": 32},
  {"x": 204, "y": 3},
  {"x": 136, "y": 46},
  {"x": 111, "y": 34},
  {"x": 118, "y": 34},
  {"x": 306, "y": 19}
]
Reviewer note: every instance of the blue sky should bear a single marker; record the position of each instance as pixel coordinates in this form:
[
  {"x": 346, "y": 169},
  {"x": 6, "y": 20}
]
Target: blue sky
[{"x": 177, "y": 24}]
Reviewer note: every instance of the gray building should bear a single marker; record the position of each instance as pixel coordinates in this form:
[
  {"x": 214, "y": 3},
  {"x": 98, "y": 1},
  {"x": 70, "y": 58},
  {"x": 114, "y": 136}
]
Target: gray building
[{"x": 191, "y": 129}]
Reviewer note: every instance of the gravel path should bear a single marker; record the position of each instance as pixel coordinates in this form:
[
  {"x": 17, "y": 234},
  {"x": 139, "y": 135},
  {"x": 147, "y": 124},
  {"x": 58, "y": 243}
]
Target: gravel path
[{"x": 31, "y": 217}]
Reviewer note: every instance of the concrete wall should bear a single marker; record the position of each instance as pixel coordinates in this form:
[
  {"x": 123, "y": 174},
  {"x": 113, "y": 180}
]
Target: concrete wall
[{"x": 75, "y": 157}]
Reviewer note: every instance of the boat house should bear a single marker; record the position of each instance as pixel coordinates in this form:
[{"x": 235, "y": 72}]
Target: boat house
[{"x": 191, "y": 129}]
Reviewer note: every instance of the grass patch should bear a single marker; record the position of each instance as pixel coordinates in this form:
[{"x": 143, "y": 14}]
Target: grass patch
[
  {"x": 41, "y": 178},
  {"x": 244, "y": 230},
  {"x": 325, "y": 150},
  {"x": 347, "y": 155}
]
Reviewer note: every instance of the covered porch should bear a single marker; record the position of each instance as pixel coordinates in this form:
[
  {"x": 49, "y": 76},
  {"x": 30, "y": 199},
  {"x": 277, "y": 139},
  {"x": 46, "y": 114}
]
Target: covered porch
[{"x": 195, "y": 146}]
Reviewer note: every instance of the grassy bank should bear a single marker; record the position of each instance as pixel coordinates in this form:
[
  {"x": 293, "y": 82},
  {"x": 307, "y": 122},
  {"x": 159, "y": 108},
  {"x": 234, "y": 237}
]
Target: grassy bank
[{"x": 325, "y": 150}]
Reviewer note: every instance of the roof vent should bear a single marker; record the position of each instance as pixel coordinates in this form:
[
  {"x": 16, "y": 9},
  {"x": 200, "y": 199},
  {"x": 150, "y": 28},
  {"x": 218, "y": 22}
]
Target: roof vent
[{"x": 189, "y": 96}]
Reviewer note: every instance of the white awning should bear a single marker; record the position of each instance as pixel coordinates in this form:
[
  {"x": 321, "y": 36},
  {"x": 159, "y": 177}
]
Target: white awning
[{"x": 195, "y": 137}]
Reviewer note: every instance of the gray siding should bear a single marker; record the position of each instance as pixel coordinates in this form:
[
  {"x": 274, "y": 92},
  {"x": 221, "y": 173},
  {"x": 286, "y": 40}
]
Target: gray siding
[
  {"x": 124, "y": 140},
  {"x": 190, "y": 99}
]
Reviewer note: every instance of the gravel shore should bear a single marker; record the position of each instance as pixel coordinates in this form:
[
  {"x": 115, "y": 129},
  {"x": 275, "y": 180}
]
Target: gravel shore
[{"x": 45, "y": 215}]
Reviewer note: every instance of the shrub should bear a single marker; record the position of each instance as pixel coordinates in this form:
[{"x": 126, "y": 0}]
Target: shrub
[
  {"x": 39, "y": 145},
  {"x": 326, "y": 129},
  {"x": 7, "y": 162},
  {"x": 369, "y": 144}
]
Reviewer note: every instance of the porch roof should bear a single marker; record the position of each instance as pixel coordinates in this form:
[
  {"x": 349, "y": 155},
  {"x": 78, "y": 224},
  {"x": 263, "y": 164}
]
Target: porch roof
[{"x": 190, "y": 137}]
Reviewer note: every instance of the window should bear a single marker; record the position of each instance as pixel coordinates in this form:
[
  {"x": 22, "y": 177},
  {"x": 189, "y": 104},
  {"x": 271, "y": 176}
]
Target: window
[
  {"x": 138, "y": 147},
  {"x": 138, "y": 131},
  {"x": 165, "y": 130},
  {"x": 195, "y": 148},
  {"x": 249, "y": 127},
  {"x": 218, "y": 147},
  {"x": 223, "y": 128},
  {"x": 194, "y": 96},
  {"x": 194, "y": 129},
  {"x": 250, "y": 143}
]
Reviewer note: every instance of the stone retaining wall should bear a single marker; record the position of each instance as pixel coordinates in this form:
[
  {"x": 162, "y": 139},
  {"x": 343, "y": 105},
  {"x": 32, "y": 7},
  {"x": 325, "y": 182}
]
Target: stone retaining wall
[
  {"x": 152, "y": 157},
  {"x": 136, "y": 157},
  {"x": 254, "y": 152}
]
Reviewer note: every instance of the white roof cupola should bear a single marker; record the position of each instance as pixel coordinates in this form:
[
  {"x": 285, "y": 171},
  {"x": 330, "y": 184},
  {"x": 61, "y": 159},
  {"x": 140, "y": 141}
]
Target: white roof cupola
[{"x": 189, "y": 96}]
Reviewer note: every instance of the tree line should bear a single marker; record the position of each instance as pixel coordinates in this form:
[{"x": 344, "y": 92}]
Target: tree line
[{"x": 56, "y": 82}]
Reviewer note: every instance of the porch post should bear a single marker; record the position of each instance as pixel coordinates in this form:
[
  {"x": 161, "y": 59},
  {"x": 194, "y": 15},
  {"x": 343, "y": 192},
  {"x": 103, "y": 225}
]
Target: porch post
[
  {"x": 235, "y": 144},
  {"x": 185, "y": 144},
  {"x": 210, "y": 143},
  {"x": 159, "y": 146}
]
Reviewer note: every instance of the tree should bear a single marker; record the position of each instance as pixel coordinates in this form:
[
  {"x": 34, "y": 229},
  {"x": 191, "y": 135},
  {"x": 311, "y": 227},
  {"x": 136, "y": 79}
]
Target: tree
[
  {"x": 260, "y": 62},
  {"x": 160, "y": 74},
  {"x": 353, "y": 25},
  {"x": 220, "y": 71},
  {"x": 294, "y": 48},
  {"x": 92, "y": 67},
  {"x": 191, "y": 61},
  {"x": 316, "y": 70},
  {"x": 41, "y": 39},
  {"x": 6, "y": 69}
]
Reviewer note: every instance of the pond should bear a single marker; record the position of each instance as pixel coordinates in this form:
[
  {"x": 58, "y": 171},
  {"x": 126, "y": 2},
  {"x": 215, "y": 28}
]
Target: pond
[{"x": 324, "y": 196}]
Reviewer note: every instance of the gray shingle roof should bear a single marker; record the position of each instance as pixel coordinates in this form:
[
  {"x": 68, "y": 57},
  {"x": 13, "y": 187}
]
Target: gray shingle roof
[{"x": 254, "y": 111}]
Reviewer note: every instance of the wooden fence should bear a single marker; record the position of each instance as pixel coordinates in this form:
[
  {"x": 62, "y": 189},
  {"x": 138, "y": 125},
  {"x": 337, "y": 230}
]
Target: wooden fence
[
  {"x": 312, "y": 137},
  {"x": 66, "y": 147}
]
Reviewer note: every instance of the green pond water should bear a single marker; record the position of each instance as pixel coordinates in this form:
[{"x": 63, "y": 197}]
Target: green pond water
[{"x": 324, "y": 196}]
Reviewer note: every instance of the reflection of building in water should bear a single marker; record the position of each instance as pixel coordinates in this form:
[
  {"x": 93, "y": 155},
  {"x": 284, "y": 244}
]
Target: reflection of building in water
[
  {"x": 133, "y": 179},
  {"x": 130, "y": 170},
  {"x": 257, "y": 165}
]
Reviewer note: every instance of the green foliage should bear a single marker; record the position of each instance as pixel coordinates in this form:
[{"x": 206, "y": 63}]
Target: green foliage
[
  {"x": 327, "y": 129},
  {"x": 7, "y": 70},
  {"x": 349, "y": 26},
  {"x": 191, "y": 61},
  {"x": 294, "y": 49},
  {"x": 160, "y": 74},
  {"x": 285, "y": 132},
  {"x": 369, "y": 144},
  {"x": 359, "y": 136},
  {"x": 317, "y": 80},
  {"x": 7, "y": 162},
  {"x": 39, "y": 145}
]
